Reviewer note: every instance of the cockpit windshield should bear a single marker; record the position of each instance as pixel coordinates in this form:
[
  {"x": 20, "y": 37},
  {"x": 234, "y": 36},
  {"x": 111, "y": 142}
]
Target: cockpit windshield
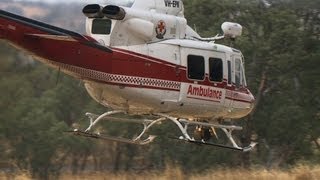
[{"x": 125, "y": 3}]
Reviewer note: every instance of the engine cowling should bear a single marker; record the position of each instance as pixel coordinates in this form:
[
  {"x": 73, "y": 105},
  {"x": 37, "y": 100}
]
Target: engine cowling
[{"x": 114, "y": 12}]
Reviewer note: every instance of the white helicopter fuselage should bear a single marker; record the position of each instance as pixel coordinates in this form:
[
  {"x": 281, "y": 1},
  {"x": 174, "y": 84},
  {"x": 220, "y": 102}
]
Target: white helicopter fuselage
[
  {"x": 141, "y": 57},
  {"x": 176, "y": 74},
  {"x": 187, "y": 98}
]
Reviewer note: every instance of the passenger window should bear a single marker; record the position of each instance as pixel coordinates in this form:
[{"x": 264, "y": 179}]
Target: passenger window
[
  {"x": 215, "y": 69},
  {"x": 237, "y": 72},
  {"x": 196, "y": 67},
  {"x": 101, "y": 26}
]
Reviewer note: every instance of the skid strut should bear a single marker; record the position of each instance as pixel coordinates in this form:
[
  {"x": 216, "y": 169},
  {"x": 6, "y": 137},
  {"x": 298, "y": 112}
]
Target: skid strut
[
  {"x": 97, "y": 119},
  {"x": 227, "y": 129},
  {"x": 94, "y": 119},
  {"x": 147, "y": 124}
]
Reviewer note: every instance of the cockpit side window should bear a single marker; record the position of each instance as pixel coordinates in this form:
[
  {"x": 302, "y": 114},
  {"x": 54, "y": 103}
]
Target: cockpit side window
[
  {"x": 101, "y": 26},
  {"x": 237, "y": 72},
  {"x": 244, "y": 83},
  {"x": 215, "y": 69}
]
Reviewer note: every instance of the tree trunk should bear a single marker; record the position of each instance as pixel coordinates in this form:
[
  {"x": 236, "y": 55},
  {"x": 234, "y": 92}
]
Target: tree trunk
[
  {"x": 84, "y": 161},
  {"x": 130, "y": 152},
  {"x": 116, "y": 161},
  {"x": 75, "y": 164},
  {"x": 248, "y": 131},
  {"x": 315, "y": 140},
  {"x": 95, "y": 161}
]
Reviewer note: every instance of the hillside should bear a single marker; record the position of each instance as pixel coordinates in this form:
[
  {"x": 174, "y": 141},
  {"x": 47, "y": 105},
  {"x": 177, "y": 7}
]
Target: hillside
[{"x": 68, "y": 16}]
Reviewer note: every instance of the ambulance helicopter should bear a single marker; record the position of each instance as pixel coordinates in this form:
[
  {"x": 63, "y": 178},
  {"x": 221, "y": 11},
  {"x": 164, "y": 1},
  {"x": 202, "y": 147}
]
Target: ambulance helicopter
[{"x": 141, "y": 57}]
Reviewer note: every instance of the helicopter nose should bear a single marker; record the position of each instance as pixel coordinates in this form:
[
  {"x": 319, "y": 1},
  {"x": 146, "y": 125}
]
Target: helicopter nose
[{"x": 252, "y": 100}]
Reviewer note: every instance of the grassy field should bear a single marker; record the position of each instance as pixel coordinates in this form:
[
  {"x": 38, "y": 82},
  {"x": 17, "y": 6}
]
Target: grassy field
[{"x": 298, "y": 173}]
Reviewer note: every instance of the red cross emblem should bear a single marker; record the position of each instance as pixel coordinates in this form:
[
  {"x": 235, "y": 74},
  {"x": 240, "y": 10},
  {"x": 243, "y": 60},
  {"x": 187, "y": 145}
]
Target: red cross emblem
[{"x": 161, "y": 29}]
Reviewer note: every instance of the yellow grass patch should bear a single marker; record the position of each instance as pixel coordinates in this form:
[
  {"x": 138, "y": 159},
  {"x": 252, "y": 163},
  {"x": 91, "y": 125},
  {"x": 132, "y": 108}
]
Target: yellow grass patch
[{"x": 298, "y": 173}]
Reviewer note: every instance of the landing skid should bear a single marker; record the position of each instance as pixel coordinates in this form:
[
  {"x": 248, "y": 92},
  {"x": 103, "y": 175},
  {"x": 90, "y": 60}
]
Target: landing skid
[
  {"x": 110, "y": 138},
  {"x": 147, "y": 124},
  {"x": 199, "y": 142}
]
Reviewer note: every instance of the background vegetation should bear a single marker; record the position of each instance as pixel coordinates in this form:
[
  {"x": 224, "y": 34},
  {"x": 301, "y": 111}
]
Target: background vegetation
[{"x": 282, "y": 49}]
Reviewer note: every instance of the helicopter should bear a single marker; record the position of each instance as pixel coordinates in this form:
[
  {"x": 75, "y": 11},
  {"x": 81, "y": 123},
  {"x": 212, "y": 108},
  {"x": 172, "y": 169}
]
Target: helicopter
[{"x": 140, "y": 57}]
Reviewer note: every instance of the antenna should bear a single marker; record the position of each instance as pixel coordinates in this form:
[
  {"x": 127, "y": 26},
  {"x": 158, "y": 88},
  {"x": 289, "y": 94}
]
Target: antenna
[{"x": 195, "y": 28}]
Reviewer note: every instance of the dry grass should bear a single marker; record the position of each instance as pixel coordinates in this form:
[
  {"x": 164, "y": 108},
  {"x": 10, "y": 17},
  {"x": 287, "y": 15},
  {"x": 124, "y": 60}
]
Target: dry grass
[{"x": 297, "y": 173}]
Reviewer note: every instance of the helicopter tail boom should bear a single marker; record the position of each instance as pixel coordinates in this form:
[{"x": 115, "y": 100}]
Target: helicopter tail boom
[
  {"x": 10, "y": 23},
  {"x": 16, "y": 29},
  {"x": 54, "y": 46}
]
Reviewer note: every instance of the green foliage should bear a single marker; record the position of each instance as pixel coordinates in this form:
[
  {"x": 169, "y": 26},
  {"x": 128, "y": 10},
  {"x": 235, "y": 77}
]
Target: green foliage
[
  {"x": 35, "y": 112},
  {"x": 281, "y": 48}
]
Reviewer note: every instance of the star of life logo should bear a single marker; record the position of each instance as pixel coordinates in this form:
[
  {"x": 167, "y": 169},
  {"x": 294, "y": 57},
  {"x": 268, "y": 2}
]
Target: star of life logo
[{"x": 161, "y": 29}]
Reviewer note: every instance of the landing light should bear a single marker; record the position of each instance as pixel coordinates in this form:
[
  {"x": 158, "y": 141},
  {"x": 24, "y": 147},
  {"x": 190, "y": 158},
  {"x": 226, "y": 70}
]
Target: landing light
[{"x": 231, "y": 29}]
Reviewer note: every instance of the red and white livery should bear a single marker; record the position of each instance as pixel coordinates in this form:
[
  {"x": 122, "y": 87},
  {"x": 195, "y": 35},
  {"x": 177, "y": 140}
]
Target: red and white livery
[{"x": 141, "y": 57}]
